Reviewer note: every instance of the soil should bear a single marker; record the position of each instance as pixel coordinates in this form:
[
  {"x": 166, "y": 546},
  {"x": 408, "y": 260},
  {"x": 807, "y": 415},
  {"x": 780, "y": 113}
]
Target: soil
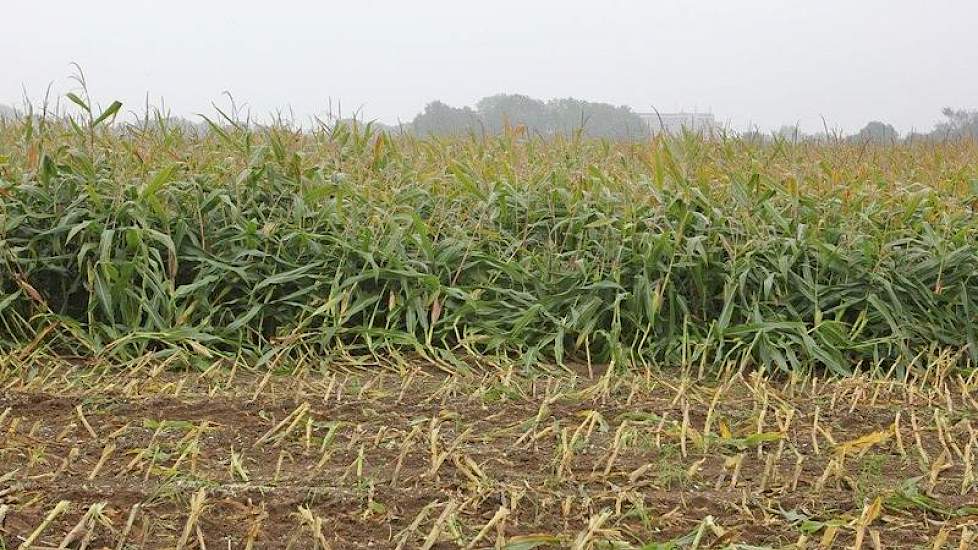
[{"x": 425, "y": 460}]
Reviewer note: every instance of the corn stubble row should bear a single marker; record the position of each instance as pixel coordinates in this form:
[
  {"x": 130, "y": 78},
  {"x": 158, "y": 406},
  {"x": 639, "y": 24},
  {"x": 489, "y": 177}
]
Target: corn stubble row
[
  {"x": 246, "y": 242},
  {"x": 643, "y": 460}
]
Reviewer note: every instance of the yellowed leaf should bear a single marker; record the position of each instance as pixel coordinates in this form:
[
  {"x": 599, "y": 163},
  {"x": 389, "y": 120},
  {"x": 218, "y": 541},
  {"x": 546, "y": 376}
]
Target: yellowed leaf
[
  {"x": 862, "y": 443},
  {"x": 725, "y": 430}
]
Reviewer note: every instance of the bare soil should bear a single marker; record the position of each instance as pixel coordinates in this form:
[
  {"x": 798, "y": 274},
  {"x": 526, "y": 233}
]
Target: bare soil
[{"x": 231, "y": 459}]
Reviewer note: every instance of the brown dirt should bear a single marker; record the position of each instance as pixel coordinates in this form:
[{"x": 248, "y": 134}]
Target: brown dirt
[{"x": 624, "y": 454}]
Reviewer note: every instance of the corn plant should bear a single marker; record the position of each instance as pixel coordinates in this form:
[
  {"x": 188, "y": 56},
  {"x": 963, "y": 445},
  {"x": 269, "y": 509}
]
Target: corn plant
[{"x": 118, "y": 240}]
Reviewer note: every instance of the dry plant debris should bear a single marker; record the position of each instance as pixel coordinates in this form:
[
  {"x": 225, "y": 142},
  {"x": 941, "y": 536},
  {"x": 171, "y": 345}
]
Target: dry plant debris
[{"x": 351, "y": 457}]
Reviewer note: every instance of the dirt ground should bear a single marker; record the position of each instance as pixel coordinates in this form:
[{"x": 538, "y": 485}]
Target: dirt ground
[{"x": 94, "y": 457}]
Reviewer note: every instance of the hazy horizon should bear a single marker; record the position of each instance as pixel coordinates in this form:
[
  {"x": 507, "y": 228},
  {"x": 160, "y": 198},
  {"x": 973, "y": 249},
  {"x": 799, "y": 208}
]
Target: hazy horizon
[{"x": 760, "y": 63}]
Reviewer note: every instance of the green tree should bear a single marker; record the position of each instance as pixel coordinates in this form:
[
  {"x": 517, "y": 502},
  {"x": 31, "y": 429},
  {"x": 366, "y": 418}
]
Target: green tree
[
  {"x": 595, "y": 119},
  {"x": 498, "y": 111},
  {"x": 877, "y": 132},
  {"x": 441, "y": 119}
]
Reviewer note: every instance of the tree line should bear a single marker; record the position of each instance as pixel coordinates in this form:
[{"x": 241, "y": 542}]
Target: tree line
[
  {"x": 494, "y": 113},
  {"x": 955, "y": 124}
]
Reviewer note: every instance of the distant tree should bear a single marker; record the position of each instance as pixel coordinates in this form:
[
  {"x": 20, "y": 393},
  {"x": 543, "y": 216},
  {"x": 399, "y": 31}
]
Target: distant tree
[
  {"x": 494, "y": 113},
  {"x": 914, "y": 137},
  {"x": 754, "y": 134},
  {"x": 790, "y": 133},
  {"x": 500, "y": 110},
  {"x": 441, "y": 119},
  {"x": 957, "y": 123},
  {"x": 595, "y": 119},
  {"x": 876, "y": 132},
  {"x": 8, "y": 113}
]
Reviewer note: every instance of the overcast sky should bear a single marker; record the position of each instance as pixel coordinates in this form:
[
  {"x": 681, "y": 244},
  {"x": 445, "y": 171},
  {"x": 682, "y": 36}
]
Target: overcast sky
[{"x": 766, "y": 62}]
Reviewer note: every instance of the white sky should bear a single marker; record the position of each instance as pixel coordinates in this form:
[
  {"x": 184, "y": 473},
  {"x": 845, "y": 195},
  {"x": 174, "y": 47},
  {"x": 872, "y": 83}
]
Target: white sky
[{"x": 766, "y": 62}]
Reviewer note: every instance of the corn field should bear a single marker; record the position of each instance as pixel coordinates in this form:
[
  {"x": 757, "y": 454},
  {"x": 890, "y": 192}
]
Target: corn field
[
  {"x": 267, "y": 337},
  {"x": 251, "y": 242}
]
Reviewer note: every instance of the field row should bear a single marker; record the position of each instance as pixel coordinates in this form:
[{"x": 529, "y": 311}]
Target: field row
[
  {"x": 348, "y": 458},
  {"x": 662, "y": 252}
]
